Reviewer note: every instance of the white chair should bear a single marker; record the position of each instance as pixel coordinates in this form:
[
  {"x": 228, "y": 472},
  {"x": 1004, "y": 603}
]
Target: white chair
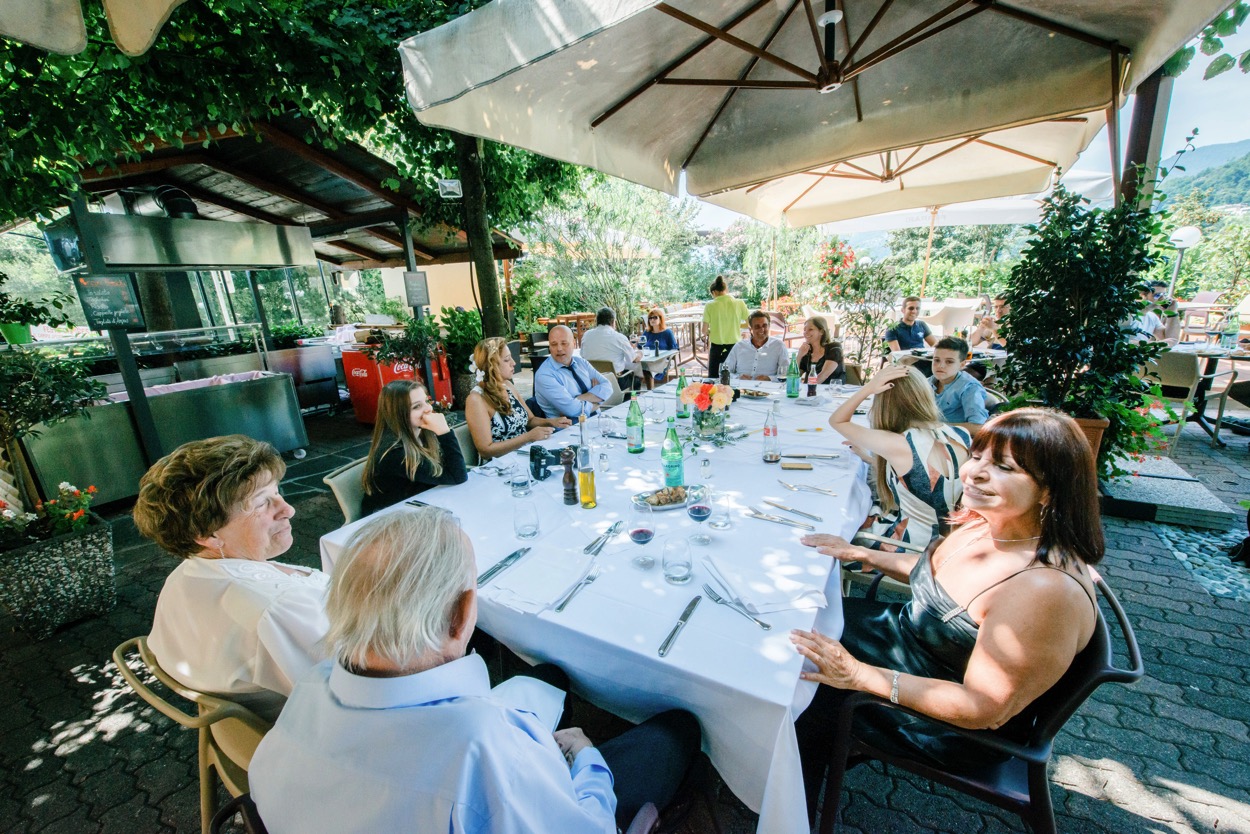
[
  {"x": 1179, "y": 374},
  {"x": 228, "y": 732},
  {"x": 949, "y": 319},
  {"x": 605, "y": 367},
  {"x": 467, "y": 447},
  {"x": 345, "y": 483}
]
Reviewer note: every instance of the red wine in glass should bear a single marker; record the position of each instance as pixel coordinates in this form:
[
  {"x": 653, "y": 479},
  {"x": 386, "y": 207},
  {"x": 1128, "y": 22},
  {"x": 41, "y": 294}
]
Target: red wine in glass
[
  {"x": 641, "y": 535},
  {"x": 699, "y": 508},
  {"x": 699, "y": 512}
]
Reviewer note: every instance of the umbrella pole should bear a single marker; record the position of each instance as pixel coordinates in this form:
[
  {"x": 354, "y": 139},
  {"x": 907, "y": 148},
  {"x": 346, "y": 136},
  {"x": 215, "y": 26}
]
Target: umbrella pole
[{"x": 928, "y": 250}]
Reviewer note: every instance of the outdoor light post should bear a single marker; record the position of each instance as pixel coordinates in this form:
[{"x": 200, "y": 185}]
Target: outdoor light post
[{"x": 1186, "y": 237}]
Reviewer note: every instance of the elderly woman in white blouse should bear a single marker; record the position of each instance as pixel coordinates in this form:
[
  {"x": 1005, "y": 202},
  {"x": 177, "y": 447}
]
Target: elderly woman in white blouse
[{"x": 230, "y": 621}]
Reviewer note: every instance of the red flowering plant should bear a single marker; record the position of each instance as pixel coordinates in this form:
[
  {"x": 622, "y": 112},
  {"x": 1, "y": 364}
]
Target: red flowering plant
[
  {"x": 834, "y": 260},
  {"x": 67, "y": 512}
]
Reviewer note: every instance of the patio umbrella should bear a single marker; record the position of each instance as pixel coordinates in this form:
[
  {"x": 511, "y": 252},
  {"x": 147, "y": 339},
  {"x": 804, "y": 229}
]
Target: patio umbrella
[
  {"x": 737, "y": 92},
  {"x": 1018, "y": 160},
  {"x": 57, "y": 25}
]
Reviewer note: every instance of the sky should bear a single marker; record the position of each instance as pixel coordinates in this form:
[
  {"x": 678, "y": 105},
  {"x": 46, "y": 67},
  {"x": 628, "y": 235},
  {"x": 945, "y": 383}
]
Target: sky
[{"x": 1216, "y": 107}]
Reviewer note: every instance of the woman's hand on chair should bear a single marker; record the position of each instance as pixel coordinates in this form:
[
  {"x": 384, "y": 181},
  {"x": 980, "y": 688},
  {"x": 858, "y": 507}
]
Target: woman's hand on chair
[{"x": 834, "y": 665}]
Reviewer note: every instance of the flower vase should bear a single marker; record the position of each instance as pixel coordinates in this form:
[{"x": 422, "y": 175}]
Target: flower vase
[
  {"x": 709, "y": 424},
  {"x": 46, "y": 584}
]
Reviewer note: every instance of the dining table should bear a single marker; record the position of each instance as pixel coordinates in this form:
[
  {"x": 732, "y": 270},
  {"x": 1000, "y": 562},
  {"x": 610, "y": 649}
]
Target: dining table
[
  {"x": 1211, "y": 355},
  {"x": 742, "y": 681}
]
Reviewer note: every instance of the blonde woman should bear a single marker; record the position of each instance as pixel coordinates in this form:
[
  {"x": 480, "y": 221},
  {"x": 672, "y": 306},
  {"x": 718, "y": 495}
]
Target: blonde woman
[
  {"x": 413, "y": 448},
  {"x": 499, "y": 420},
  {"x": 820, "y": 349},
  {"x": 916, "y": 458}
]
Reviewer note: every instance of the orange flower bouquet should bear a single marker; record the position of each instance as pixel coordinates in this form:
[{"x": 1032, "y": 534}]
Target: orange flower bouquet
[{"x": 707, "y": 395}]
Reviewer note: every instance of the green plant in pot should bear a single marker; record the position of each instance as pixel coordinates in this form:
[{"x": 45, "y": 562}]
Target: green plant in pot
[
  {"x": 1072, "y": 295},
  {"x": 56, "y": 557},
  {"x": 17, "y": 315},
  {"x": 412, "y": 345},
  {"x": 461, "y": 331}
]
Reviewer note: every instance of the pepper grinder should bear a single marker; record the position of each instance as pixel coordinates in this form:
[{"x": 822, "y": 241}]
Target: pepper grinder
[{"x": 570, "y": 480}]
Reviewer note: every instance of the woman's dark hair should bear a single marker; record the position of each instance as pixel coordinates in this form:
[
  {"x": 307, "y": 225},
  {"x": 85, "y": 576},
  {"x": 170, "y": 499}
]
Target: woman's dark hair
[
  {"x": 719, "y": 285},
  {"x": 1052, "y": 449}
]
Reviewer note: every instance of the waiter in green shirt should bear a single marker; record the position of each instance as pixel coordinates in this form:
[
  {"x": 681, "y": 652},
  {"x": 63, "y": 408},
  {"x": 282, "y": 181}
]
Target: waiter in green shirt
[{"x": 724, "y": 316}]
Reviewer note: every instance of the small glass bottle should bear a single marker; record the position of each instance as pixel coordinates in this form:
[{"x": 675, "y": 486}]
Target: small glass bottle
[
  {"x": 683, "y": 409},
  {"x": 570, "y": 480},
  {"x": 812, "y": 377},
  {"x": 672, "y": 457},
  {"x": 772, "y": 441},
  {"x": 634, "y": 441},
  {"x": 585, "y": 470}
]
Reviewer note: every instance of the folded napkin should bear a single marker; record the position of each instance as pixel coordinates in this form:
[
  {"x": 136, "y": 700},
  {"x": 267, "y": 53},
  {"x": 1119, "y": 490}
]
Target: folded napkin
[
  {"x": 765, "y": 592},
  {"x": 532, "y": 585},
  {"x": 819, "y": 399}
]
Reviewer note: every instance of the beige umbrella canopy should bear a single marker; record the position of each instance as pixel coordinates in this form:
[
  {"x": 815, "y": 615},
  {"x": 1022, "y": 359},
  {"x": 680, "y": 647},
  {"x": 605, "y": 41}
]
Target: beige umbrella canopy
[
  {"x": 57, "y": 25},
  {"x": 737, "y": 92},
  {"x": 1001, "y": 163}
]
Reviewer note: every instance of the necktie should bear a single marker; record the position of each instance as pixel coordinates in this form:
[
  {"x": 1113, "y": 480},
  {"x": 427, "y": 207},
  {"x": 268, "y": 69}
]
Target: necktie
[{"x": 577, "y": 379}]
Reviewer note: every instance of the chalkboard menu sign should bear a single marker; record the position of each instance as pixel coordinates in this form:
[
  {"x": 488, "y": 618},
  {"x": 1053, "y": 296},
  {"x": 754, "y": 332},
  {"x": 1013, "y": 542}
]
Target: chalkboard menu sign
[
  {"x": 109, "y": 301},
  {"x": 417, "y": 289}
]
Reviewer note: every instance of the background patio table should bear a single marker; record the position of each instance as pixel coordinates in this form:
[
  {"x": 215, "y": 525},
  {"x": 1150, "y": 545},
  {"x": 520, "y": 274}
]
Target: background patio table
[{"x": 742, "y": 682}]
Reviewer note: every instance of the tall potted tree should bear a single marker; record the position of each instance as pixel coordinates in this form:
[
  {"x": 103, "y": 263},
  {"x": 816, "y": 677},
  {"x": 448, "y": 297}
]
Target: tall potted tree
[{"x": 1075, "y": 289}]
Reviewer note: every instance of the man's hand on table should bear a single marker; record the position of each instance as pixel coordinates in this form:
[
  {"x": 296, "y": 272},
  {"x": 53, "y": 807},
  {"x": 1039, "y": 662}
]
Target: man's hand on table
[{"x": 572, "y": 741}]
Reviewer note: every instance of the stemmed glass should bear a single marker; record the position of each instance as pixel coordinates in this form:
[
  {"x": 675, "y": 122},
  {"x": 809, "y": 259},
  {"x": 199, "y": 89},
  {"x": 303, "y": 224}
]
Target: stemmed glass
[
  {"x": 641, "y": 532},
  {"x": 607, "y": 426},
  {"x": 699, "y": 508}
]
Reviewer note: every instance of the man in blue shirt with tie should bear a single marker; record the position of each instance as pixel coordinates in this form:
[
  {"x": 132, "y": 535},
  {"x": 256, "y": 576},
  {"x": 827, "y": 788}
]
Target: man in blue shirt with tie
[{"x": 565, "y": 383}]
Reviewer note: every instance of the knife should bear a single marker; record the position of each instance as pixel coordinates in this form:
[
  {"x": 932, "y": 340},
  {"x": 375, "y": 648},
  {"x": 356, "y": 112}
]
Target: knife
[
  {"x": 507, "y": 562},
  {"x": 813, "y": 457},
  {"x": 778, "y": 519},
  {"x": 598, "y": 544},
  {"x": 681, "y": 623},
  {"x": 792, "y": 510}
]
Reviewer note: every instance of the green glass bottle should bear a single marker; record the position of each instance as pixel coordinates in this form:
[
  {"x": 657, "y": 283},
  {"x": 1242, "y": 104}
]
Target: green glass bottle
[
  {"x": 792, "y": 377},
  {"x": 683, "y": 410},
  {"x": 633, "y": 429},
  {"x": 672, "y": 457}
]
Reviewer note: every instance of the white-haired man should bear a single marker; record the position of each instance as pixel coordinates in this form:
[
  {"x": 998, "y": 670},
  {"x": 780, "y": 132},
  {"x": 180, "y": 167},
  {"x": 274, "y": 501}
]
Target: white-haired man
[{"x": 401, "y": 731}]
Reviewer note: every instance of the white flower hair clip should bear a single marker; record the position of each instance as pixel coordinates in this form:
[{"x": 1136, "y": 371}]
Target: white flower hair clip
[{"x": 478, "y": 376}]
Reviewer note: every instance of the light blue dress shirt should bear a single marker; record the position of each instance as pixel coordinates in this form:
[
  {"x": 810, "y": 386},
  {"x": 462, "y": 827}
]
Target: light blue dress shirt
[
  {"x": 962, "y": 400},
  {"x": 557, "y": 392},
  {"x": 771, "y": 359},
  {"x": 431, "y": 752}
]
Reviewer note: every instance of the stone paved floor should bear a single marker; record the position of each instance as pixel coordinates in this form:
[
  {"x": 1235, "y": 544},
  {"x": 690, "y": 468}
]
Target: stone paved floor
[{"x": 78, "y": 753}]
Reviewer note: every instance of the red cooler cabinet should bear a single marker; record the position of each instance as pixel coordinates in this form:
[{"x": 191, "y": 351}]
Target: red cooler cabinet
[{"x": 365, "y": 379}]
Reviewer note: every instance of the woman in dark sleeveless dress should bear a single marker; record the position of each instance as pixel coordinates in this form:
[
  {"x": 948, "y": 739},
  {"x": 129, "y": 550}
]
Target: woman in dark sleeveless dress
[
  {"x": 999, "y": 609},
  {"x": 499, "y": 420},
  {"x": 819, "y": 348}
]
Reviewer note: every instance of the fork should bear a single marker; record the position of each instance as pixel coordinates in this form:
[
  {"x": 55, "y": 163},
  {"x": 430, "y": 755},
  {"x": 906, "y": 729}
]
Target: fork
[
  {"x": 806, "y": 488},
  {"x": 586, "y": 580},
  {"x": 733, "y": 606}
]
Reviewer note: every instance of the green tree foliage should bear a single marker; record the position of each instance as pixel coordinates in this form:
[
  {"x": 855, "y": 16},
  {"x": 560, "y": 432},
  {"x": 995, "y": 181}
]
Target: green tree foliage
[
  {"x": 1223, "y": 262},
  {"x": 753, "y": 251},
  {"x": 1211, "y": 44},
  {"x": 1221, "y": 185},
  {"x": 24, "y": 258},
  {"x": 617, "y": 246},
  {"x": 223, "y": 64}
]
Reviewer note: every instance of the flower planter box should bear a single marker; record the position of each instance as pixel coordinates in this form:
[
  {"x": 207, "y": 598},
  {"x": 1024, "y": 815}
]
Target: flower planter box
[{"x": 47, "y": 584}]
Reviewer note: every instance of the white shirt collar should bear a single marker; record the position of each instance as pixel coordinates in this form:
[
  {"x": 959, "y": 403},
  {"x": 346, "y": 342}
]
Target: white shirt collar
[{"x": 465, "y": 677}]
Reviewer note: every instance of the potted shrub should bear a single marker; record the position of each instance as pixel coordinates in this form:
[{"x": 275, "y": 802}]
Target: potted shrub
[
  {"x": 461, "y": 331},
  {"x": 18, "y": 315},
  {"x": 410, "y": 346},
  {"x": 56, "y": 557},
  {"x": 1075, "y": 288}
]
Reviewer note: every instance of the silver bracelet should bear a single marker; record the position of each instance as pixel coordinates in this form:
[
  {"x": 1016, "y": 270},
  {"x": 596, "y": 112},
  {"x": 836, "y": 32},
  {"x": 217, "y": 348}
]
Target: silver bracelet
[{"x": 894, "y": 688}]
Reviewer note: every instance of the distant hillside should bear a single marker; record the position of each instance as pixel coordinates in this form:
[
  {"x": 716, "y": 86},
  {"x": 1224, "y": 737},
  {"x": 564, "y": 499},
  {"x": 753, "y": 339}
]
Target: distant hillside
[
  {"x": 1228, "y": 183},
  {"x": 1200, "y": 159}
]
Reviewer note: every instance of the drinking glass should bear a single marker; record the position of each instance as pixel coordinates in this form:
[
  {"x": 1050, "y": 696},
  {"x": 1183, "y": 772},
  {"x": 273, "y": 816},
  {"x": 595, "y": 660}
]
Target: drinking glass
[
  {"x": 525, "y": 519},
  {"x": 677, "y": 563},
  {"x": 641, "y": 532},
  {"x": 699, "y": 507},
  {"x": 519, "y": 480},
  {"x": 837, "y": 388},
  {"x": 720, "y": 519},
  {"x": 607, "y": 426}
]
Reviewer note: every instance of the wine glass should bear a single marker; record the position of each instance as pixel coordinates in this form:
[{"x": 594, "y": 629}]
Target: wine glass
[
  {"x": 699, "y": 508},
  {"x": 607, "y": 426},
  {"x": 641, "y": 532}
]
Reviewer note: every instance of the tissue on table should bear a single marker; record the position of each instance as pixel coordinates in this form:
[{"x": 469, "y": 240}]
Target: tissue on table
[{"x": 532, "y": 585}]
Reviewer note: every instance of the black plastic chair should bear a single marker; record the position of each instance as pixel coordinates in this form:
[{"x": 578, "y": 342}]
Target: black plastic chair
[
  {"x": 534, "y": 408},
  {"x": 1018, "y": 784},
  {"x": 243, "y": 807}
]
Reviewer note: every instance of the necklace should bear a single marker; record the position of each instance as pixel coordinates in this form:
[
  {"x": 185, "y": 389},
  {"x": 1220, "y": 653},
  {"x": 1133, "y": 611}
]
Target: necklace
[
  {"x": 1005, "y": 541},
  {"x": 937, "y": 567}
]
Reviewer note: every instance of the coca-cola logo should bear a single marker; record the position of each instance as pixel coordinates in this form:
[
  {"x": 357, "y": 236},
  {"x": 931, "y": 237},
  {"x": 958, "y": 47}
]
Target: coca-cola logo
[
  {"x": 402, "y": 368},
  {"x": 360, "y": 372}
]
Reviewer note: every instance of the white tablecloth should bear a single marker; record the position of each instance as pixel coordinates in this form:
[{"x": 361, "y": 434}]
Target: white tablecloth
[{"x": 742, "y": 682}]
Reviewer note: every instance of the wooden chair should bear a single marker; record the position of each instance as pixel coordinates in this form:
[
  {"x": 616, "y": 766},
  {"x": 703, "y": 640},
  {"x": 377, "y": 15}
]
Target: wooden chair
[
  {"x": 228, "y": 732},
  {"x": 1018, "y": 784},
  {"x": 1179, "y": 374},
  {"x": 779, "y": 327},
  {"x": 345, "y": 483}
]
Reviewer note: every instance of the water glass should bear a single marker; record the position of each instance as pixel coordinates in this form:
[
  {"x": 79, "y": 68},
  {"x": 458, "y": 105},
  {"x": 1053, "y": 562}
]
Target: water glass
[
  {"x": 677, "y": 562},
  {"x": 525, "y": 519},
  {"x": 720, "y": 518},
  {"x": 519, "y": 480},
  {"x": 837, "y": 388}
]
